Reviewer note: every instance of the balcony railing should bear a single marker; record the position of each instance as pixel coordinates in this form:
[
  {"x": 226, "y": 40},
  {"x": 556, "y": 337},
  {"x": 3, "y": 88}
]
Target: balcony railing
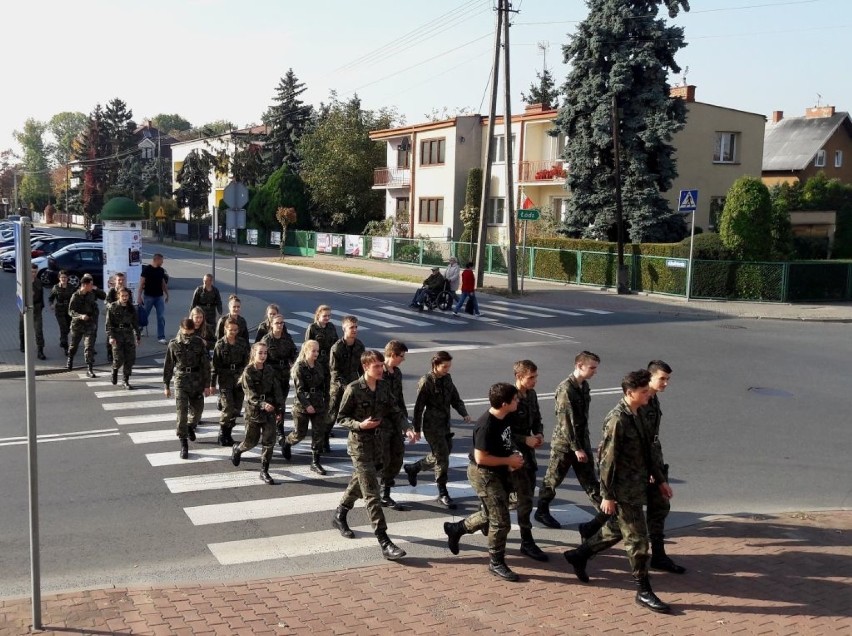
[
  {"x": 392, "y": 178},
  {"x": 542, "y": 171}
]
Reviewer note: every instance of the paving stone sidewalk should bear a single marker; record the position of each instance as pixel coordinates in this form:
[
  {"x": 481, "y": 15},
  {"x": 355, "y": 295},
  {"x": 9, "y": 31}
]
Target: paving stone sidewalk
[{"x": 780, "y": 574}]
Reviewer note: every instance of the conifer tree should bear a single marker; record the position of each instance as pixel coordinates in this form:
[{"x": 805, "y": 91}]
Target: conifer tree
[
  {"x": 543, "y": 92},
  {"x": 288, "y": 119}
]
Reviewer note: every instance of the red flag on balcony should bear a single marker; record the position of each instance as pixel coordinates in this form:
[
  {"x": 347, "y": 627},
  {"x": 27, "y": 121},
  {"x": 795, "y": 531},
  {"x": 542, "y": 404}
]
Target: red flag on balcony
[{"x": 527, "y": 204}]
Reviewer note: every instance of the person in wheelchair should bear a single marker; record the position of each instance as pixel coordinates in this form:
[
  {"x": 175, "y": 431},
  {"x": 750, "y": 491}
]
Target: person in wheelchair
[{"x": 432, "y": 286}]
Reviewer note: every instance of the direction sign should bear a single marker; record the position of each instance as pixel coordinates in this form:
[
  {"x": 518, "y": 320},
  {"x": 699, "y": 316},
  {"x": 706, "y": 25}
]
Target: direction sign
[
  {"x": 687, "y": 201},
  {"x": 530, "y": 214},
  {"x": 235, "y": 195}
]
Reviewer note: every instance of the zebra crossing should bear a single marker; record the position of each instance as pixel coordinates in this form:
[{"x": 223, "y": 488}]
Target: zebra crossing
[{"x": 147, "y": 422}]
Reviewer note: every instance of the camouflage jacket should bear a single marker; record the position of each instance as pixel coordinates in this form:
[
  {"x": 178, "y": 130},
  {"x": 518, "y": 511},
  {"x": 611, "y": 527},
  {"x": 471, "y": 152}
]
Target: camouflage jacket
[
  {"x": 260, "y": 386},
  {"x": 187, "y": 361},
  {"x": 435, "y": 396},
  {"x": 121, "y": 321},
  {"x": 242, "y": 333},
  {"x": 209, "y": 301},
  {"x": 526, "y": 421},
  {"x": 625, "y": 458},
  {"x": 345, "y": 362},
  {"x": 85, "y": 304},
  {"x": 326, "y": 337},
  {"x": 60, "y": 297},
  {"x": 394, "y": 381},
  {"x": 229, "y": 360},
  {"x": 650, "y": 416},
  {"x": 282, "y": 352},
  {"x": 359, "y": 403},
  {"x": 310, "y": 387},
  {"x": 571, "y": 429}
]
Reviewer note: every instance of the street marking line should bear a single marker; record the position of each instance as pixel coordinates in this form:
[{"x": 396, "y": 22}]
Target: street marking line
[
  {"x": 136, "y": 383},
  {"x": 119, "y": 392},
  {"x": 539, "y": 308},
  {"x": 168, "y": 435},
  {"x": 61, "y": 438},
  {"x": 597, "y": 311},
  {"x": 149, "y": 404},
  {"x": 514, "y": 309},
  {"x": 430, "y": 316},
  {"x": 150, "y": 418},
  {"x": 310, "y": 317},
  {"x": 369, "y": 321}
]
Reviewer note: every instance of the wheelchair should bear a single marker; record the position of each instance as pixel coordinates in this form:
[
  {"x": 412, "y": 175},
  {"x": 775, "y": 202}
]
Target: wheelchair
[{"x": 443, "y": 299}]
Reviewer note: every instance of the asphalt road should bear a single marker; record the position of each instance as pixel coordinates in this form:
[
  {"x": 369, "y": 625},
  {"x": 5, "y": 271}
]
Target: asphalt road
[{"x": 752, "y": 424}]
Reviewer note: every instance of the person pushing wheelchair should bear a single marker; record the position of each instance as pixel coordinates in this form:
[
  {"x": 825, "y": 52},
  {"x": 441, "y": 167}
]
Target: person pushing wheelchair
[{"x": 432, "y": 285}]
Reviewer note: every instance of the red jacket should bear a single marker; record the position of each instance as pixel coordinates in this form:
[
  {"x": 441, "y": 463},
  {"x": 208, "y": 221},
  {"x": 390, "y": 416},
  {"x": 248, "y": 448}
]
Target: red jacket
[{"x": 468, "y": 281}]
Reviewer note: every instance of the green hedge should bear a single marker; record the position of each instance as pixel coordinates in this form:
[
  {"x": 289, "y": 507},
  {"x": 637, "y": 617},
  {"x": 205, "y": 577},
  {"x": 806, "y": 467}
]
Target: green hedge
[
  {"x": 736, "y": 280},
  {"x": 655, "y": 275},
  {"x": 554, "y": 264},
  {"x": 818, "y": 281}
]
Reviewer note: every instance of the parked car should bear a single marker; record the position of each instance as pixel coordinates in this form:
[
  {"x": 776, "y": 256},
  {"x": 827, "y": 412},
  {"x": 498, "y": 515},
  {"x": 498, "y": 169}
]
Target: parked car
[
  {"x": 8, "y": 240},
  {"x": 40, "y": 247},
  {"x": 77, "y": 259},
  {"x": 95, "y": 233}
]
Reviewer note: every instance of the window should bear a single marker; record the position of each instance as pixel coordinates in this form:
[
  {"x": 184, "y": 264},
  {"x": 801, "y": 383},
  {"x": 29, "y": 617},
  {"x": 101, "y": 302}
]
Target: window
[
  {"x": 403, "y": 158},
  {"x": 717, "y": 204},
  {"x": 431, "y": 211},
  {"x": 147, "y": 153},
  {"x": 557, "y": 145},
  {"x": 432, "y": 151},
  {"x": 726, "y": 147},
  {"x": 819, "y": 160},
  {"x": 498, "y": 148},
  {"x": 560, "y": 208},
  {"x": 838, "y": 158},
  {"x": 402, "y": 207},
  {"x": 496, "y": 211}
]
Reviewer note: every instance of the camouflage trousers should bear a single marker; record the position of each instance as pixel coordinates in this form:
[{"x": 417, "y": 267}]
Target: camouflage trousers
[
  {"x": 441, "y": 444},
  {"x": 523, "y": 484},
  {"x": 658, "y": 510},
  {"x": 493, "y": 493},
  {"x": 189, "y": 404},
  {"x": 335, "y": 397},
  {"x": 87, "y": 331},
  {"x": 282, "y": 377},
  {"x": 64, "y": 322},
  {"x": 260, "y": 427},
  {"x": 365, "y": 478},
  {"x": 39, "y": 328},
  {"x": 124, "y": 352},
  {"x": 633, "y": 530},
  {"x": 301, "y": 419},
  {"x": 393, "y": 452},
  {"x": 230, "y": 402},
  {"x": 557, "y": 469}
]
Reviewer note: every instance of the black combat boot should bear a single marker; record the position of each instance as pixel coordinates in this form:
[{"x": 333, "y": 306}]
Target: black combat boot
[
  {"x": 529, "y": 547},
  {"x": 316, "y": 467},
  {"x": 286, "y": 450},
  {"x": 226, "y": 434},
  {"x": 40, "y": 354},
  {"x": 126, "y": 383},
  {"x": 236, "y": 454},
  {"x": 454, "y": 531},
  {"x": 326, "y": 444},
  {"x": 389, "y": 502},
  {"x": 339, "y": 522},
  {"x": 578, "y": 558},
  {"x": 191, "y": 433},
  {"x": 498, "y": 567},
  {"x": 660, "y": 560},
  {"x": 114, "y": 377},
  {"x": 646, "y": 598},
  {"x": 389, "y": 550},
  {"x": 184, "y": 448},
  {"x": 590, "y": 528},
  {"x": 411, "y": 471},
  {"x": 69, "y": 364},
  {"x": 90, "y": 370},
  {"x": 543, "y": 516},
  {"x": 444, "y": 496},
  {"x": 265, "y": 477}
]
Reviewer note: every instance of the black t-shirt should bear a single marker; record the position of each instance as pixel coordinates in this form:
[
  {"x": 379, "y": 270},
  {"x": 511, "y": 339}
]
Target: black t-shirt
[
  {"x": 154, "y": 279},
  {"x": 493, "y": 436}
]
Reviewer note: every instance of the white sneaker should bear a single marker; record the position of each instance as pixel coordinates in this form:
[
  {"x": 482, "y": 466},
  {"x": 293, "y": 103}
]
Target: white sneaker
[{"x": 162, "y": 341}]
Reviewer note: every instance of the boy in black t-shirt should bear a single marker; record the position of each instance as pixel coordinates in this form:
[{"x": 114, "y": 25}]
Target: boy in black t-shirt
[{"x": 493, "y": 457}]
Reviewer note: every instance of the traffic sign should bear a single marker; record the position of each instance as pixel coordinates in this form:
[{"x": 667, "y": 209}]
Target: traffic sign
[
  {"x": 161, "y": 213},
  {"x": 235, "y": 195},
  {"x": 529, "y": 214},
  {"x": 687, "y": 201}
]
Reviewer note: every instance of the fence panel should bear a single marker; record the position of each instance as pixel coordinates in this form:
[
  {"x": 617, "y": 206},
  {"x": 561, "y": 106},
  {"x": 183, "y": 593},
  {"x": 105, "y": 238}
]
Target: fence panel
[
  {"x": 661, "y": 275},
  {"x": 818, "y": 281},
  {"x": 601, "y": 269},
  {"x": 735, "y": 280}
]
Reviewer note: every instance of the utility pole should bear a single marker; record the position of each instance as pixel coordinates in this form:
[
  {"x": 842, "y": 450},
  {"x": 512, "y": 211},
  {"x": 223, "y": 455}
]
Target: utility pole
[
  {"x": 511, "y": 260},
  {"x": 489, "y": 142},
  {"x": 621, "y": 274}
]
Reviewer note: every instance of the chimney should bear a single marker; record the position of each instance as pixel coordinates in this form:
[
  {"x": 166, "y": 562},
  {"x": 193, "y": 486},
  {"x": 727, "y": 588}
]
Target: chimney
[
  {"x": 685, "y": 92},
  {"x": 531, "y": 109},
  {"x": 819, "y": 111},
  {"x": 777, "y": 115}
]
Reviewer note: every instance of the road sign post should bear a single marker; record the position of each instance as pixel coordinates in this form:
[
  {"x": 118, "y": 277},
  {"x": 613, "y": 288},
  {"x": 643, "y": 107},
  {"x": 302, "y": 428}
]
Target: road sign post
[
  {"x": 688, "y": 203},
  {"x": 526, "y": 215}
]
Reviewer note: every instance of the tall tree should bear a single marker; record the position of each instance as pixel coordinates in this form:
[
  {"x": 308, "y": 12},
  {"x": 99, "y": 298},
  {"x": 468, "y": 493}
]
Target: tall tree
[
  {"x": 194, "y": 180},
  {"x": 338, "y": 160},
  {"x": 65, "y": 127},
  {"x": 543, "y": 91},
  {"x": 747, "y": 220},
  {"x": 34, "y": 186},
  {"x": 288, "y": 119},
  {"x": 92, "y": 154},
  {"x": 622, "y": 50},
  {"x": 170, "y": 123},
  {"x": 118, "y": 129}
]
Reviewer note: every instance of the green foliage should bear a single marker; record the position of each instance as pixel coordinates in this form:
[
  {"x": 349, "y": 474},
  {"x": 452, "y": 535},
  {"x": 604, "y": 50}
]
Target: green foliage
[
  {"x": 469, "y": 214},
  {"x": 782, "y": 231},
  {"x": 621, "y": 49},
  {"x": 378, "y": 228},
  {"x": 194, "y": 180},
  {"x": 747, "y": 220},
  {"x": 34, "y": 187},
  {"x": 282, "y": 189},
  {"x": 170, "y": 123},
  {"x": 707, "y": 246},
  {"x": 288, "y": 119},
  {"x": 118, "y": 127},
  {"x": 544, "y": 92},
  {"x": 65, "y": 128}
]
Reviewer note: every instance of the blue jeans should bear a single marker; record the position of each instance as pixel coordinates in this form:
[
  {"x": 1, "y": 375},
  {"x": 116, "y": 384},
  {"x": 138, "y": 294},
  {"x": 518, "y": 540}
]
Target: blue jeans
[
  {"x": 463, "y": 299},
  {"x": 158, "y": 303}
]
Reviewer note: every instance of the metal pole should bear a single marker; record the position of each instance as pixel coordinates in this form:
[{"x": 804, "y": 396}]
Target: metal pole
[
  {"x": 214, "y": 225},
  {"x": 689, "y": 270},
  {"x": 511, "y": 264},
  {"x": 523, "y": 254},
  {"x": 236, "y": 289},
  {"x": 621, "y": 274}
]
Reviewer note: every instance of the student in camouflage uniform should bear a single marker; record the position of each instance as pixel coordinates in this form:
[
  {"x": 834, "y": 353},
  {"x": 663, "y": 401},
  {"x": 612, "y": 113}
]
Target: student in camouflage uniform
[
  {"x": 527, "y": 435},
  {"x": 265, "y": 326},
  {"x": 207, "y": 297},
  {"x": 493, "y": 458},
  {"x": 344, "y": 365},
  {"x": 309, "y": 404},
  {"x": 117, "y": 282},
  {"x": 366, "y": 402},
  {"x": 203, "y": 329},
  {"x": 571, "y": 446},
  {"x": 84, "y": 312},
  {"x": 187, "y": 361},
  {"x": 37, "y": 309},
  {"x": 234, "y": 309},
  {"x": 230, "y": 357},
  {"x": 281, "y": 355},
  {"x": 264, "y": 404},
  {"x": 59, "y": 299},
  {"x": 627, "y": 464},
  {"x": 658, "y": 504},
  {"x": 123, "y": 335},
  {"x": 394, "y": 430},
  {"x": 436, "y": 393},
  {"x": 325, "y": 333}
]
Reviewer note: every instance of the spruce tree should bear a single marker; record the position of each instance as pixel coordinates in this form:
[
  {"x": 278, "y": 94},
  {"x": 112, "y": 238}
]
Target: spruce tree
[
  {"x": 288, "y": 119},
  {"x": 543, "y": 92},
  {"x": 92, "y": 151},
  {"x": 118, "y": 129},
  {"x": 622, "y": 49}
]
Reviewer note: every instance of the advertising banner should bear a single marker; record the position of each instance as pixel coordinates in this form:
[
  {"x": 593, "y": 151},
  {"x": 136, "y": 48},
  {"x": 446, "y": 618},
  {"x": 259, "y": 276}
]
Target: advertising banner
[
  {"x": 324, "y": 243},
  {"x": 381, "y": 247},
  {"x": 123, "y": 252},
  {"x": 353, "y": 245}
]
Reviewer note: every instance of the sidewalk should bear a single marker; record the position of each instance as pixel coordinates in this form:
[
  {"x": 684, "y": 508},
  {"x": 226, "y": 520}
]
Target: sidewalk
[{"x": 784, "y": 574}]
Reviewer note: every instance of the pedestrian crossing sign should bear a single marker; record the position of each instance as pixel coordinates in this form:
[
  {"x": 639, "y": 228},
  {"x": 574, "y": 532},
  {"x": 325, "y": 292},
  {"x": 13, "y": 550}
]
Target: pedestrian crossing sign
[{"x": 687, "y": 201}]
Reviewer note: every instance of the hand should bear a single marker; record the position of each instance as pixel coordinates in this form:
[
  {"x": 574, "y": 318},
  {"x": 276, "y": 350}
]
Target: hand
[
  {"x": 112, "y": 341},
  {"x": 411, "y": 436},
  {"x": 666, "y": 490},
  {"x": 416, "y": 436},
  {"x": 533, "y": 441},
  {"x": 168, "y": 392},
  {"x": 581, "y": 456},
  {"x": 310, "y": 410},
  {"x": 608, "y": 506},
  {"x": 266, "y": 406},
  {"x": 370, "y": 423},
  {"x": 166, "y": 298},
  {"x": 467, "y": 419},
  {"x": 516, "y": 461}
]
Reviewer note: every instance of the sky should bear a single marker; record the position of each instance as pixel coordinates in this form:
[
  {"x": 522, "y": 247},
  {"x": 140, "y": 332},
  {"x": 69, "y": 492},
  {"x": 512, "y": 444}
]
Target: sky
[{"x": 209, "y": 60}]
